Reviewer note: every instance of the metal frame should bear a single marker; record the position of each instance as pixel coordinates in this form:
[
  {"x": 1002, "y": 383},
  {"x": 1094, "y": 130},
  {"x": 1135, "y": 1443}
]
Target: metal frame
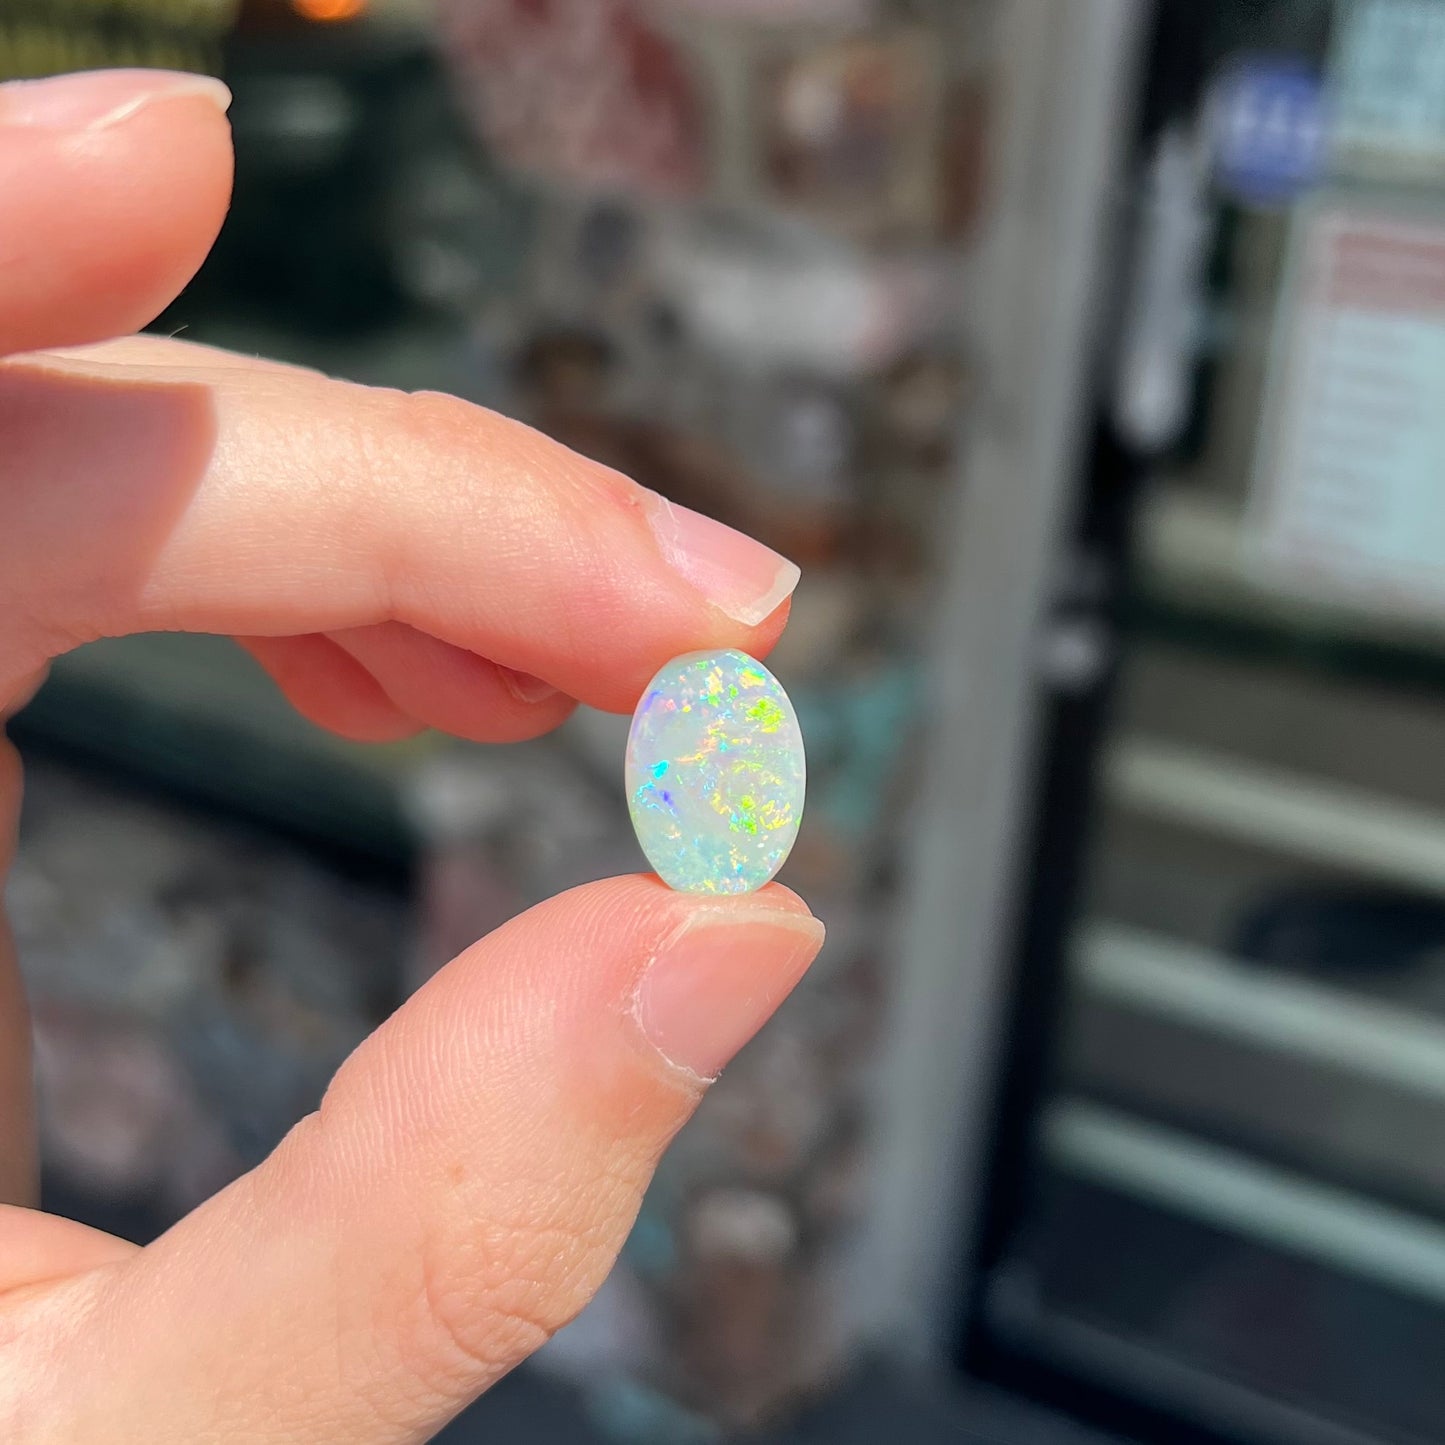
[{"x": 1068, "y": 72}]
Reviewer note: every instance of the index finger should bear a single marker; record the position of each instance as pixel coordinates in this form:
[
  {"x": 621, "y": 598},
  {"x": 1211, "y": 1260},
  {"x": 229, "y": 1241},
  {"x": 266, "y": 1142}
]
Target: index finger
[{"x": 158, "y": 487}]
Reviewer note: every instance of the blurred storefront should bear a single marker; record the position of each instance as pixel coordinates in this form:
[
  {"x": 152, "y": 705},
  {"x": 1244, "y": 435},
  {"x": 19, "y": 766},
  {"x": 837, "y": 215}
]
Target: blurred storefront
[
  {"x": 1216, "y": 1192},
  {"x": 1088, "y": 358}
]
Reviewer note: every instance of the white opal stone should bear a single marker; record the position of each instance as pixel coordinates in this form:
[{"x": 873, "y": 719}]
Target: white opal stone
[{"x": 715, "y": 773}]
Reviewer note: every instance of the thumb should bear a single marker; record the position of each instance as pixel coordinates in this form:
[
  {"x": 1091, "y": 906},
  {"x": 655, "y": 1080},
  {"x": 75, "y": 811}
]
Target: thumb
[{"x": 461, "y": 1192}]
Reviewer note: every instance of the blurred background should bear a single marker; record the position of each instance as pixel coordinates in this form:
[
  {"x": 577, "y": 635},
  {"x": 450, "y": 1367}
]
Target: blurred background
[{"x": 1089, "y": 356}]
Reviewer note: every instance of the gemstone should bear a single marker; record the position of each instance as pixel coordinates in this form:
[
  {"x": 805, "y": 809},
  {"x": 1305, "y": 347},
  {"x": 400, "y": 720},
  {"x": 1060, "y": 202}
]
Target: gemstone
[{"x": 715, "y": 773}]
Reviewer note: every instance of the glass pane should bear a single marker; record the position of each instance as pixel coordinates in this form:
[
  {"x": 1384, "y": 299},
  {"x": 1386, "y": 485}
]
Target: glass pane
[{"x": 1239, "y": 1197}]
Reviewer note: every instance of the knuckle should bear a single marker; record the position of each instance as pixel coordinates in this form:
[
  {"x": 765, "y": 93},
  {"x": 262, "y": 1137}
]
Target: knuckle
[
  {"x": 487, "y": 1298},
  {"x": 504, "y": 457},
  {"x": 435, "y": 413},
  {"x": 368, "y": 428},
  {"x": 456, "y": 438}
]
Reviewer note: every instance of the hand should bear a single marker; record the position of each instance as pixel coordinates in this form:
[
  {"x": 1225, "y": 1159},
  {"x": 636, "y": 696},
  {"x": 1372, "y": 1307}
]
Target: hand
[{"x": 394, "y": 562}]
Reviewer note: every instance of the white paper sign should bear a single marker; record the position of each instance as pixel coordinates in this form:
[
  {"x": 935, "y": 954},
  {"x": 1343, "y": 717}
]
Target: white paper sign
[
  {"x": 1350, "y": 497},
  {"x": 1387, "y": 86}
]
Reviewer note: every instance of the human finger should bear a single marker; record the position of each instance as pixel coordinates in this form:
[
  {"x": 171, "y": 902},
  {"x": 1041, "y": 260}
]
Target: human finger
[
  {"x": 183, "y": 495},
  {"x": 451, "y": 689},
  {"x": 462, "y": 1191},
  {"x": 114, "y": 184},
  {"x": 330, "y": 688}
]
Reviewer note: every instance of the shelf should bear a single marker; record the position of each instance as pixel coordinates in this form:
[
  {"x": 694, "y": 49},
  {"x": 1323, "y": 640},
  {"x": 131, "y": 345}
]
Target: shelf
[
  {"x": 1141, "y": 1367},
  {"x": 1194, "y": 554},
  {"x": 1336, "y": 827},
  {"x": 1230, "y": 1191},
  {"x": 1292, "y": 1016}
]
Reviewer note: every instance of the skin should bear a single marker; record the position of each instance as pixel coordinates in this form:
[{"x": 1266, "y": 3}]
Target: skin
[{"x": 475, "y": 1166}]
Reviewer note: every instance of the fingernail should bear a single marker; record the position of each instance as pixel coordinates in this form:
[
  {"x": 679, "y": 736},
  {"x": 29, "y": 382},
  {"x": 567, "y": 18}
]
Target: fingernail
[
  {"x": 737, "y": 575},
  {"x": 718, "y": 980},
  {"x": 526, "y": 688},
  {"x": 93, "y": 100}
]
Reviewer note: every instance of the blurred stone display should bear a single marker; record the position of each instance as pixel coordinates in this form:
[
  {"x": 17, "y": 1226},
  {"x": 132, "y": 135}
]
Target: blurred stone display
[
  {"x": 194, "y": 986},
  {"x": 586, "y": 90},
  {"x": 769, "y": 329},
  {"x": 728, "y": 262}
]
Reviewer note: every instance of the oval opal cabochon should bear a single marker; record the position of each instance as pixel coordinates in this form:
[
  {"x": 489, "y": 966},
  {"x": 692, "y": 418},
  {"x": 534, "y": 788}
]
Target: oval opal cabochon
[{"x": 715, "y": 773}]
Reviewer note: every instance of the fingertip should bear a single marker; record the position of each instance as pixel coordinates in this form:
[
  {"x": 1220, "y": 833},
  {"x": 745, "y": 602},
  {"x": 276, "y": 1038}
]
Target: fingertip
[
  {"x": 95, "y": 100},
  {"x": 644, "y": 901},
  {"x": 786, "y": 899},
  {"x": 103, "y": 224},
  {"x": 717, "y": 979},
  {"x": 766, "y": 635}
]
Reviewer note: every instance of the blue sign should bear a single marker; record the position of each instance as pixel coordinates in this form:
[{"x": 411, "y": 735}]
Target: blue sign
[{"x": 1268, "y": 125}]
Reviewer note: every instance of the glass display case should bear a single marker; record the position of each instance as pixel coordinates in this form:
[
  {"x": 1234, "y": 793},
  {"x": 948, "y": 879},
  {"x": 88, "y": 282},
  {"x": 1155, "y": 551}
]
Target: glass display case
[{"x": 1219, "y": 1192}]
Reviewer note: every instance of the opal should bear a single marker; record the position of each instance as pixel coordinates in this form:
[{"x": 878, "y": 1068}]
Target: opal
[{"x": 715, "y": 773}]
